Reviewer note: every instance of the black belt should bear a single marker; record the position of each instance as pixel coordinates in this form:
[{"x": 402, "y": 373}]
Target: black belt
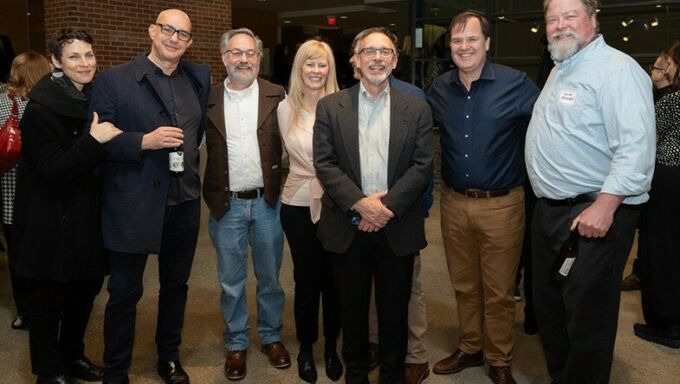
[
  {"x": 480, "y": 194},
  {"x": 584, "y": 198},
  {"x": 249, "y": 195}
]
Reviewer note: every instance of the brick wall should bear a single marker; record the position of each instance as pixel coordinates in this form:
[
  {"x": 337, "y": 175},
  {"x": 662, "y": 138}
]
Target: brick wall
[{"x": 119, "y": 27}]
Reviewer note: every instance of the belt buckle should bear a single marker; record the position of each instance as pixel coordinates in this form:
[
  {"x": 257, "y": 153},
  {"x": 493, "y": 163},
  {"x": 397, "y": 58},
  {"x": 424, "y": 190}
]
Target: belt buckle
[{"x": 473, "y": 193}]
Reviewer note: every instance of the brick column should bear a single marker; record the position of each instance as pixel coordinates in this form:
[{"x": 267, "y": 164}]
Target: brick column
[{"x": 119, "y": 27}]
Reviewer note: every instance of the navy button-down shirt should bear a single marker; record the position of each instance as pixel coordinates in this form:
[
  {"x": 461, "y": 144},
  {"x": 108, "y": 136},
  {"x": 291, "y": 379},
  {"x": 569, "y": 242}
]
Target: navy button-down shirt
[{"x": 483, "y": 129}]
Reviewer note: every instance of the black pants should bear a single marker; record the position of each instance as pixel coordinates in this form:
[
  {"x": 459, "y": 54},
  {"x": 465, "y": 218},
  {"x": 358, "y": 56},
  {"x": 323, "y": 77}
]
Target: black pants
[
  {"x": 525, "y": 263},
  {"x": 369, "y": 258},
  {"x": 313, "y": 274},
  {"x": 178, "y": 244},
  {"x": 22, "y": 288},
  {"x": 660, "y": 265},
  {"x": 59, "y": 316},
  {"x": 577, "y": 320}
]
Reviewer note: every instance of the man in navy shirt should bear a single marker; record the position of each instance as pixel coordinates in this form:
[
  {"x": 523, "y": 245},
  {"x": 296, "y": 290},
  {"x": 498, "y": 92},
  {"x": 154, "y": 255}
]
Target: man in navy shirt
[{"x": 482, "y": 110}]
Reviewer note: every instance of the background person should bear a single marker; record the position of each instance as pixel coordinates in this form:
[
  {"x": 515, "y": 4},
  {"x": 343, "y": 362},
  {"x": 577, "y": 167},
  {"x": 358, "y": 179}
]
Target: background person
[{"x": 27, "y": 69}]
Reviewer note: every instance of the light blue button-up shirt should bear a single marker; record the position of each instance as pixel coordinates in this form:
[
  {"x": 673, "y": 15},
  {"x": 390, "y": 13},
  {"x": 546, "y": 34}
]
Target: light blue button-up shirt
[
  {"x": 592, "y": 128},
  {"x": 374, "y": 139}
]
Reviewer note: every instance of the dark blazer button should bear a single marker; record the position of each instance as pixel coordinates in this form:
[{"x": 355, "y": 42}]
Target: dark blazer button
[
  {"x": 75, "y": 133},
  {"x": 157, "y": 184}
]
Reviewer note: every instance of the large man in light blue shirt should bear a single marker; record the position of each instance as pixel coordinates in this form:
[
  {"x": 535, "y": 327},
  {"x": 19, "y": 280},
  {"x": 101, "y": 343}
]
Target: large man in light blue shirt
[{"x": 590, "y": 156}]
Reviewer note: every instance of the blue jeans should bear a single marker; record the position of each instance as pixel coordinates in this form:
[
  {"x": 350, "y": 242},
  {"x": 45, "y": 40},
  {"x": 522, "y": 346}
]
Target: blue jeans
[{"x": 249, "y": 222}]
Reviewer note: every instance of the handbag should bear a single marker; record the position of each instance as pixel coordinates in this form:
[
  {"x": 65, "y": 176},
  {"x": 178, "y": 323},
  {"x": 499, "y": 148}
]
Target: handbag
[{"x": 10, "y": 139}]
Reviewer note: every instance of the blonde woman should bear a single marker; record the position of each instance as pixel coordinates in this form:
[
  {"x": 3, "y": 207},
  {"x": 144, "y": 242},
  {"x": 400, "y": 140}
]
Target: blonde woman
[
  {"x": 312, "y": 77},
  {"x": 26, "y": 70}
]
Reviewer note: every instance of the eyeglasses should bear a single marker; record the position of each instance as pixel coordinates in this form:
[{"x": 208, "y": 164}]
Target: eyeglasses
[
  {"x": 653, "y": 68},
  {"x": 237, "y": 53},
  {"x": 371, "y": 52},
  {"x": 169, "y": 31}
]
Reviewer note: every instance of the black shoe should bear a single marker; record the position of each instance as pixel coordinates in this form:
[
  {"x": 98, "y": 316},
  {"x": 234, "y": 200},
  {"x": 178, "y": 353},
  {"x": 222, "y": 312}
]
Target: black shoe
[
  {"x": 333, "y": 366},
  {"x": 306, "y": 367},
  {"x": 668, "y": 336},
  {"x": 58, "y": 379},
  {"x": 85, "y": 370},
  {"x": 172, "y": 373}
]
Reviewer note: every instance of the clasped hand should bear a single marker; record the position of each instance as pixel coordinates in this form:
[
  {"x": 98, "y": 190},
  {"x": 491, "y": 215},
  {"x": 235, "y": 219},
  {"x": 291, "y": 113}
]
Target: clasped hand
[
  {"x": 163, "y": 137},
  {"x": 374, "y": 214}
]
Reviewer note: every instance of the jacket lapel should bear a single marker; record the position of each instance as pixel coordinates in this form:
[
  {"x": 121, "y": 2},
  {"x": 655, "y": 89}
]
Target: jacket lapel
[
  {"x": 267, "y": 104},
  {"x": 215, "y": 110},
  {"x": 399, "y": 131},
  {"x": 348, "y": 121}
]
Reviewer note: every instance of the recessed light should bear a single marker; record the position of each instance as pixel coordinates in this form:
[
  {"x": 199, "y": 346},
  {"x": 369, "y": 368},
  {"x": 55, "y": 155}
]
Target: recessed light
[
  {"x": 286, "y": 21},
  {"x": 344, "y": 17}
]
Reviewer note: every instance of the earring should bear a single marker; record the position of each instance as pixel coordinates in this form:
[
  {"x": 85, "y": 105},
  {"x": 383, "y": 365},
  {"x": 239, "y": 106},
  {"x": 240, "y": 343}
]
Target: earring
[{"x": 57, "y": 73}]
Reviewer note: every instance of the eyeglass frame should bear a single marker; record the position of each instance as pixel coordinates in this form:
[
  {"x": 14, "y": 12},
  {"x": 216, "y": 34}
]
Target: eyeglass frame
[
  {"x": 384, "y": 52},
  {"x": 237, "y": 53},
  {"x": 179, "y": 32},
  {"x": 653, "y": 67}
]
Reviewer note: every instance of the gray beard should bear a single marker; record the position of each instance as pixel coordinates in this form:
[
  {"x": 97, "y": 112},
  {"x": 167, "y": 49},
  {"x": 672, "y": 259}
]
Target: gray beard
[{"x": 562, "y": 49}]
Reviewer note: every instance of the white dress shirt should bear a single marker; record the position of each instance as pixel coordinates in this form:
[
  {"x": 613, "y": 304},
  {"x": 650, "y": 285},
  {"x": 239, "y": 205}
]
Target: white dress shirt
[
  {"x": 240, "y": 120},
  {"x": 374, "y": 140}
]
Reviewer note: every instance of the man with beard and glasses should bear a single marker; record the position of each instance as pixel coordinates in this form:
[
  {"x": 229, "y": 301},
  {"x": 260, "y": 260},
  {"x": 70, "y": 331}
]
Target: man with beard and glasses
[
  {"x": 590, "y": 158},
  {"x": 482, "y": 110},
  {"x": 373, "y": 156},
  {"x": 241, "y": 188}
]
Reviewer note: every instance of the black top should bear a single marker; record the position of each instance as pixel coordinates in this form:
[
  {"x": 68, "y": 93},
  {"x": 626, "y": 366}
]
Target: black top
[
  {"x": 668, "y": 129},
  {"x": 178, "y": 95}
]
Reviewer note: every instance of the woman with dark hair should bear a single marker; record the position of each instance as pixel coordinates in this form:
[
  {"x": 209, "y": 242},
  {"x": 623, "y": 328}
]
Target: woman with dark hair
[
  {"x": 26, "y": 70},
  {"x": 56, "y": 231},
  {"x": 660, "y": 259}
]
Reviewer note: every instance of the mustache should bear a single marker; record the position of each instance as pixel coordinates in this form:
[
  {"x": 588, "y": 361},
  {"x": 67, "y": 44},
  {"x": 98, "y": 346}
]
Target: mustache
[{"x": 567, "y": 33}]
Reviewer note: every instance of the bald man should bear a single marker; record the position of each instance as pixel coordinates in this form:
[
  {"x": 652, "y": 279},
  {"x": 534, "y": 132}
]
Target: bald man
[{"x": 151, "y": 189}]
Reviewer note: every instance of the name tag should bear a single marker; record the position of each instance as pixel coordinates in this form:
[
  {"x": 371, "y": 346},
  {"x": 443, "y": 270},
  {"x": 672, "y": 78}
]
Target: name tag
[{"x": 567, "y": 98}]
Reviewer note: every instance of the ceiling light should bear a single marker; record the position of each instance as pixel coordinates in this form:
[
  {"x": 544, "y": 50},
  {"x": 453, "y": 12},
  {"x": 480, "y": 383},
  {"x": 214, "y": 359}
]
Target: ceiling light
[
  {"x": 393, "y": 24},
  {"x": 626, "y": 39},
  {"x": 286, "y": 21},
  {"x": 344, "y": 17},
  {"x": 534, "y": 28},
  {"x": 655, "y": 23},
  {"x": 626, "y": 24}
]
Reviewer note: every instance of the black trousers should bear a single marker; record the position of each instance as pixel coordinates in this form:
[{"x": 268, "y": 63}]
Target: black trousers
[
  {"x": 59, "y": 316},
  {"x": 369, "y": 258},
  {"x": 22, "y": 289},
  {"x": 660, "y": 265},
  {"x": 577, "y": 320},
  {"x": 313, "y": 274},
  {"x": 525, "y": 263},
  {"x": 178, "y": 244}
]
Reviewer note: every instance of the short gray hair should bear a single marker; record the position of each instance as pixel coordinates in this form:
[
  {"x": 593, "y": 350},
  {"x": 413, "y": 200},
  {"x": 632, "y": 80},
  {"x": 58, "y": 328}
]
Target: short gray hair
[
  {"x": 590, "y": 6},
  {"x": 224, "y": 40}
]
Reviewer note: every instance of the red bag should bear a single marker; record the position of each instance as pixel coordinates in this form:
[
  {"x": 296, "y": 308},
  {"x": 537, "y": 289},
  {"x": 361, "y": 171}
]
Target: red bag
[{"x": 10, "y": 139}]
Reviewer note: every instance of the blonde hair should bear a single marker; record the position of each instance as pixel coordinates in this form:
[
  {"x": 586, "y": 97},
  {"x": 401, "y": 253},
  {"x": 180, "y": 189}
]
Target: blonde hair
[
  {"x": 311, "y": 49},
  {"x": 27, "y": 69}
]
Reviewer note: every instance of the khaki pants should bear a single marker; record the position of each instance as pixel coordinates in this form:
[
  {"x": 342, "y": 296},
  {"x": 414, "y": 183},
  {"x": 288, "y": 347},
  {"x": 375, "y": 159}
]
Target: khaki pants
[
  {"x": 417, "y": 320},
  {"x": 483, "y": 241}
]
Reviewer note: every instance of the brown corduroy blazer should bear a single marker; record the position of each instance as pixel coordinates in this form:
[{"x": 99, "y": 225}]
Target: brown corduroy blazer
[{"x": 216, "y": 179}]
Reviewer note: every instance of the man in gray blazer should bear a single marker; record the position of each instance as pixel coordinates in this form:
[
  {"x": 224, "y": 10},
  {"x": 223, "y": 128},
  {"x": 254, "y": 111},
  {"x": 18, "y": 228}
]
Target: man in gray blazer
[{"x": 373, "y": 155}]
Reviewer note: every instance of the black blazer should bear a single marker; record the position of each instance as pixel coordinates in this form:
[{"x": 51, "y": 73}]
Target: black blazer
[
  {"x": 337, "y": 162},
  {"x": 135, "y": 182}
]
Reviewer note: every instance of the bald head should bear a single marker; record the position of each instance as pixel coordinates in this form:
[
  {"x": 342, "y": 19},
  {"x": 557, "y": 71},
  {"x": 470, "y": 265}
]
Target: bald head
[{"x": 175, "y": 15}]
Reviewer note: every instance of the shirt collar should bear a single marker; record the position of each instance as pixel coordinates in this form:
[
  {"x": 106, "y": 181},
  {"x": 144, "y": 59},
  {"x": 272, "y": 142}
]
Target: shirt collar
[
  {"x": 583, "y": 52},
  {"x": 488, "y": 73},
  {"x": 364, "y": 93},
  {"x": 242, "y": 93},
  {"x": 149, "y": 68}
]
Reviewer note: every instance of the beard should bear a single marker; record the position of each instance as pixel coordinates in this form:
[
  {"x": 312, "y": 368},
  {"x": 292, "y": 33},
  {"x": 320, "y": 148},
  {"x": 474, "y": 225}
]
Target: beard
[{"x": 564, "y": 45}]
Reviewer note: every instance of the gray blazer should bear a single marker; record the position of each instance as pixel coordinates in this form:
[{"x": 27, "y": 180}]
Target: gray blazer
[{"x": 336, "y": 158}]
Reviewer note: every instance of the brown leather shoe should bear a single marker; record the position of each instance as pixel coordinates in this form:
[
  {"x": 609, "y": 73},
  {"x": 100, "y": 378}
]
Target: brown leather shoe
[
  {"x": 372, "y": 355},
  {"x": 235, "y": 366},
  {"x": 416, "y": 373},
  {"x": 277, "y": 354},
  {"x": 458, "y": 361},
  {"x": 501, "y": 375}
]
